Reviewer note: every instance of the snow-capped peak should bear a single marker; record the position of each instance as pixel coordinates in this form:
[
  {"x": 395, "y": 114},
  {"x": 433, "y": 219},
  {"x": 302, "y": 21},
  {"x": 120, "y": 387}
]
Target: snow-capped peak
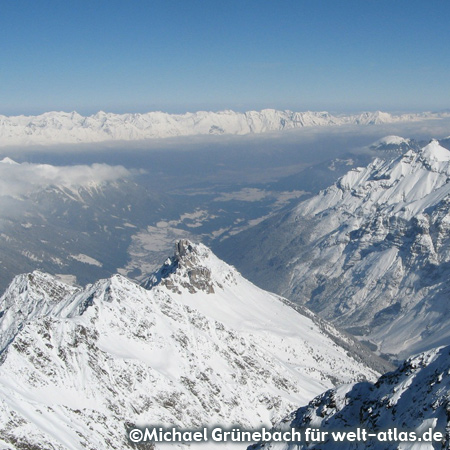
[
  {"x": 434, "y": 152},
  {"x": 389, "y": 141},
  {"x": 8, "y": 160},
  {"x": 371, "y": 253},
  {"x": 180, "y": 355},
  {"x": 403, "y": 185}
]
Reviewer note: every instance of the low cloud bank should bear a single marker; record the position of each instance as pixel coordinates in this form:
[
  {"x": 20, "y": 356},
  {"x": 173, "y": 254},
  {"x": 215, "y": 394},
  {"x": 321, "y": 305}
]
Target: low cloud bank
[{"x": 21, "y": 179}]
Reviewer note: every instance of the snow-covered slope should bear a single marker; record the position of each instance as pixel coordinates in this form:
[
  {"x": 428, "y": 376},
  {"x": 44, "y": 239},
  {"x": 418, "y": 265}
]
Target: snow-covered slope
[
  {"x": 28, "y": 297},
  {"x": 395, "y": 144},
  {"x": 390, "y": 140},
  {"x": 60, "y": 127},
  {"x": 371, "y": 253},
  {"x": 414, "y": 398},
  {"x": 201, "y": 345}
]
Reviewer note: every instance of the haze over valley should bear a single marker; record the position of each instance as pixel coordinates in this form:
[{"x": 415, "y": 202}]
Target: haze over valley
[{"x": 122, "y": 208}]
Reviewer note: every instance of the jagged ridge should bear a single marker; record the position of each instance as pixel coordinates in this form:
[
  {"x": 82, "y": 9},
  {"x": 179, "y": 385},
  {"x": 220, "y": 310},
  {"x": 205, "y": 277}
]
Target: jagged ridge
[
  {"x": 415, "y": 397},
  {"x": 188, "y": 352},
  {"x": 370, "y": 253}
]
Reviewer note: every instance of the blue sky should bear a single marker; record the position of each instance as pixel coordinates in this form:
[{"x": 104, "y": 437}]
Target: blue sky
[{"x": 177, "y": 56}]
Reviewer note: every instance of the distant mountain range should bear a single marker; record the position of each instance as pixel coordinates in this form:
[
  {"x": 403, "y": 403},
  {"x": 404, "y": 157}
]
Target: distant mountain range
[{"x": 61, "y": 127}]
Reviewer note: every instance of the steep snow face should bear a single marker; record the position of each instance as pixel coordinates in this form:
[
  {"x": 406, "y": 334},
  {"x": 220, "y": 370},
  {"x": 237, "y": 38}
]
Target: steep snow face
[
  {"x": 381, "y": 251},
  {"x": 371, "y": 253},
  {"x": 415, "y": 398},
  {"x": 203, "y": 346},
  {"x": 403, "y": 188},
  {"x": 435, "y": 153},
  {"x": 60, "y": 127},
  {"x": 29, "y": 297}
]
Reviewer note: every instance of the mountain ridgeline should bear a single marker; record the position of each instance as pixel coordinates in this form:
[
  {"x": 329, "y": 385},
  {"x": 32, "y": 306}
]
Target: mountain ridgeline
[
  {"x": 371, "y": 253},
  {"x": 61, "y": 127},
  {"x": 413, "y": 399},
  {"x": 196, "y": 345}
]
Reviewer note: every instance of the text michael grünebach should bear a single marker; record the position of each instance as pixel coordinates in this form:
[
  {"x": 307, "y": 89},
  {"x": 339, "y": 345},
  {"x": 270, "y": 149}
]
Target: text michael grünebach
[{"x": 304, "y": 435}]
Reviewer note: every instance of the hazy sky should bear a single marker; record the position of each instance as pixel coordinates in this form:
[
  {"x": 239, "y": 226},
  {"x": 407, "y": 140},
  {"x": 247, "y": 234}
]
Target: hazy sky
[{"x": 179, "y": 55}]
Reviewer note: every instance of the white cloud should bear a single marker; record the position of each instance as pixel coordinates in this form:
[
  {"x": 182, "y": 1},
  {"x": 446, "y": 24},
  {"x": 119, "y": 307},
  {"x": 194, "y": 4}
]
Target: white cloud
[{"x": 22, "y": 179}]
